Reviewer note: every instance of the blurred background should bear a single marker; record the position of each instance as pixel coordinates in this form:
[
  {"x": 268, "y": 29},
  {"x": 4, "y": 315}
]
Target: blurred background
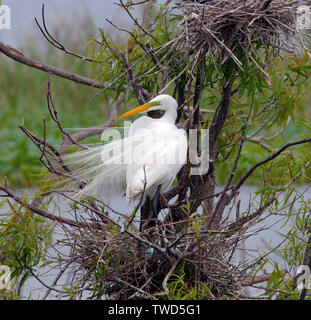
[{"x": 23, "y": 89}]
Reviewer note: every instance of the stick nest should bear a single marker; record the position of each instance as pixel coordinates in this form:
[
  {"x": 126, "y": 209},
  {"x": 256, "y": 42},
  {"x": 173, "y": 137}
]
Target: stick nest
[
  {"x": 126, "y": 272},
  {"x": 233, "y": 28}
]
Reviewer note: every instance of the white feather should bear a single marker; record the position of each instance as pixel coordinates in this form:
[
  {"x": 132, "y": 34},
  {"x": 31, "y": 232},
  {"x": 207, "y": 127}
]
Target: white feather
[{"x": 152, "y": 154}]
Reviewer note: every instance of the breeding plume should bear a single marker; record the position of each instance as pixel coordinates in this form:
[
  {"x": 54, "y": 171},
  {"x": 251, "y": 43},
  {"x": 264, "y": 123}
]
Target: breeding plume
[{"x": 147, "y": 159}]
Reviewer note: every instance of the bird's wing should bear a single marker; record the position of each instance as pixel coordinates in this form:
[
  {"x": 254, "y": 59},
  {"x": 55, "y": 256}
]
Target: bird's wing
[{"x": 159, "y": 153}]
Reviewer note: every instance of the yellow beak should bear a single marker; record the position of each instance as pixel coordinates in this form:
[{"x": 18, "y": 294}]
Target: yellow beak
[{"x": 139, "y": 109}]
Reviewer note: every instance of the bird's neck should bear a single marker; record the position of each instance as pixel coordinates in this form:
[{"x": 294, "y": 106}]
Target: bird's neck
[{"x": 170, "y": 115}]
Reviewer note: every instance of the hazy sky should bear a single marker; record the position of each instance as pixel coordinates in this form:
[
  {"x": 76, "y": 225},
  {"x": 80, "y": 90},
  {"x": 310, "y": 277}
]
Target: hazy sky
[{"x": 59, "y": 13}]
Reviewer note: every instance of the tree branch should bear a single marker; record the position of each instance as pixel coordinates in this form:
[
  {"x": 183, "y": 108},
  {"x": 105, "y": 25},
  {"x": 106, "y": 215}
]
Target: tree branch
[
  {"x": 254, "y": 280},
  {"x": 19, "y": 57},
  {"x": 54, "y": 116},
  {"x": 271, "y": 157},
  {"x": 39, "y": 211},
  {"x": 91, "y": 131},
  {"x": 56, "y": 43},
  {"x": 220, "y": 117},
  {"x": 223, "y": 200}
]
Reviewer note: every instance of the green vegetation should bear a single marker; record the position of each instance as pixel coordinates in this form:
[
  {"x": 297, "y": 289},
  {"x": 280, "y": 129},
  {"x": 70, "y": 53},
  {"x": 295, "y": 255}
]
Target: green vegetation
[
  {"x": 268, "y": 110},
  {"x": 23, "y": 244},
  {"x": 23, "y": 95},
  {"x": 278, "y": 112}
]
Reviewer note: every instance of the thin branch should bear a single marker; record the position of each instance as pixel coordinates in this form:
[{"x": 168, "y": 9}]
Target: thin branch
[
  {"x": 44, "y": 146},
  {"x": 136, "y": 86},
  {"x": 223, "y": 200},
  {"x": 56, "y": 43},
  {"x": 135, "y": 288},
  {"x": 257, "y": 279},
  {"x": 54, "y": 116},
  {"x": 91, "y": 131},
  {"x": 236, "y": 225},
  {"x": 136, "y": 20},
  {"x": 39, "y": 211},
  {"x": 42, "y": 283},
  {"x": 259, "y": 142},
  {"x": 20, "y": 57},
  {"x": 55, "y": 280},
  {"x": 271, "y": 157}
]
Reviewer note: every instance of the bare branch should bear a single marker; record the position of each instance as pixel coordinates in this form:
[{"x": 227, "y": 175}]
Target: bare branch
[
  {"x": 19, "y": 57},
  {"x": 91, "y": 131},
  {"x": 47, "y": 148},
  {"x": 39, "y": 211},
  {"x": 271, "y": 157},
  {"x": 223, "y": 200},
  {"x": 54, "y": 116},
  {"x": 257, "y": 279},
  {"x": 56, "y": 43},
  {"x": 136, "y": 20}
]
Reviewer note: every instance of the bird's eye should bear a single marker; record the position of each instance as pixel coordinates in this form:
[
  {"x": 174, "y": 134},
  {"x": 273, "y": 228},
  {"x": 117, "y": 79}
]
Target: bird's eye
[{"x": 155, "y": 114}]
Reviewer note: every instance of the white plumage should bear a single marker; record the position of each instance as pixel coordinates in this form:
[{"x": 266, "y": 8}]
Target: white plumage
[{"x": 151, "y": 155}]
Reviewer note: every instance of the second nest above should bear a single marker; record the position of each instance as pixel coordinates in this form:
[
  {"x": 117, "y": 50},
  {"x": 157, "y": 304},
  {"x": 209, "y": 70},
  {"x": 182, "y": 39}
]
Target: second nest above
[{"x": 231, "y": 27}]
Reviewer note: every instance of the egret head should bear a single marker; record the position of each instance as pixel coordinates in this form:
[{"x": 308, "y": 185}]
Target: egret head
[{"x": 161, "y": 102}]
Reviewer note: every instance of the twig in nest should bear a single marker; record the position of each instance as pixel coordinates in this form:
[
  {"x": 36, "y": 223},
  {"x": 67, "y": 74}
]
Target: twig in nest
[{"x": 229, "y": 29}]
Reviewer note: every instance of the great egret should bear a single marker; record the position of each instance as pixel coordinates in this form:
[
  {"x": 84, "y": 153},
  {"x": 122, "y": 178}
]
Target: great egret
[
  {"x": 147, "y": 160},
  {"x": 161, "y": 154}
]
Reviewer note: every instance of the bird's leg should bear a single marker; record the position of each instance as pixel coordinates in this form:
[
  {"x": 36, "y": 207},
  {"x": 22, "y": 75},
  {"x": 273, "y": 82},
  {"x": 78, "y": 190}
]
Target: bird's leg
[
  {"x": 155, "y": 202},
  {"x": 144, "y": 213}
]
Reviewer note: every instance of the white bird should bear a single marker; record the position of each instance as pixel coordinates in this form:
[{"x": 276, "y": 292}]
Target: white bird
[
  {"x": 162, "y": 152},
  {"x": 147, "y": 160}
]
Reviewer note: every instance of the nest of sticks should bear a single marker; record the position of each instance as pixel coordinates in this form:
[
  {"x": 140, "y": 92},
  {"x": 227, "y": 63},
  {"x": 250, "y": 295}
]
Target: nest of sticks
[
  {"x": 234, "y": 28},
  {"x": 112, "y": 260}
]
